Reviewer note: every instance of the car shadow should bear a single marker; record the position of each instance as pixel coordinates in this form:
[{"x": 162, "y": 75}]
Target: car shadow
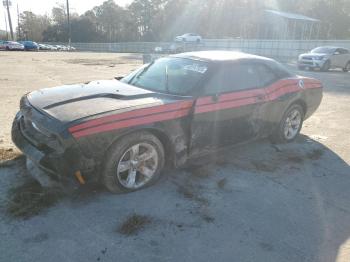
[
  {"x": 258, "y": 201},
  {"x": 293, "y": 198}
]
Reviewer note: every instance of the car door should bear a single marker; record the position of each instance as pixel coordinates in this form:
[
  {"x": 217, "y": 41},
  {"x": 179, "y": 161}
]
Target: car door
[
  {"x": 337, "y": 58},
  {"x": 227, "y": 109},
  {"x": 344, "y": 57}
]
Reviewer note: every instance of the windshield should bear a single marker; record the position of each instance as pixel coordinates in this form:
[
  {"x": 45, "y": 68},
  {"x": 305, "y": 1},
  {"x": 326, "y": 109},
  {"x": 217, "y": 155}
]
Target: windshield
[
  {"x": 322, "y": 50},
  {"x": 169, "y": 75}
]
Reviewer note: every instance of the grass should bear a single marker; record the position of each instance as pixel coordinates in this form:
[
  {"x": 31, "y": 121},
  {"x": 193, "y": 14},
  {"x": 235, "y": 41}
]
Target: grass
[
  {"x": 30, "y": 199},
  {"x": 133, "y": 224}
]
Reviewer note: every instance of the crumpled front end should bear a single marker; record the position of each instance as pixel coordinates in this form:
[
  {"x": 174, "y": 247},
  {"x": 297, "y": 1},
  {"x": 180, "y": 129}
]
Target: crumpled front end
[{"x": 52, "y": 150}]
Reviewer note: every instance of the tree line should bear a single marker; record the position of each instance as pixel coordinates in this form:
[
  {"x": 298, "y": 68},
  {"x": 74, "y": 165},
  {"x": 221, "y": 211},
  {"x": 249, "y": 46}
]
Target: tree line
[{"x": 161, "y": 20}]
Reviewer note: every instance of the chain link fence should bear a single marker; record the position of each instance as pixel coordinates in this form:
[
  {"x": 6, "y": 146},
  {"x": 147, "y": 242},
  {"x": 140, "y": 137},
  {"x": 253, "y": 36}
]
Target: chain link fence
[{"x": 283, "y": 50}]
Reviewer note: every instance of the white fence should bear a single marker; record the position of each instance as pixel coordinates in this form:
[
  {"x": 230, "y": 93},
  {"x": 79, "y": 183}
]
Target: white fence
[{"x": 284, "y": 50}]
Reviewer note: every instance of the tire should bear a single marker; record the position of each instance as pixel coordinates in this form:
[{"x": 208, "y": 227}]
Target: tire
[
  {"x": 123, "y": 172},
  {"x": 198, "y": 41},
  {"x": 326, "y": 66},
  {"x": 347, "y": 67},
  {"x": 280, "y": 135}
]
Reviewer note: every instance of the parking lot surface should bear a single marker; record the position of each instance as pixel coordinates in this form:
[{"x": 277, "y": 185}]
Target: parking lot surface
[{"x": 257, "y": 202}]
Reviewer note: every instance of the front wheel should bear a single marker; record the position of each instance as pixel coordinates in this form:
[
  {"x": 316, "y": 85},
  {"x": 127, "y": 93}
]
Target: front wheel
[
  {"x": 347, "y": 67},
  {"x": 290, "y": 125},
  {"x": 133, "y": 163}
]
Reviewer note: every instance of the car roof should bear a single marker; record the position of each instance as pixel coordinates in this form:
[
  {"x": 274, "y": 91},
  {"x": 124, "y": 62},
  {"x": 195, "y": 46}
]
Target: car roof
[
  {"x": 220, "y": 56},
  {"x": 328, "y": 46}
]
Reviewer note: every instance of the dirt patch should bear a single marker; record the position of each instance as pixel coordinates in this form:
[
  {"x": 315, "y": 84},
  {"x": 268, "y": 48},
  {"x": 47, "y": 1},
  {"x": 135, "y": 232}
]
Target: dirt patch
[
  {"x": 201, "y": 171},
  {"x": 30, "y": 199},
  {"x": 221, "y": 183},
  {"x": 10, "y": 157},
  {"x": 264, "y": 167},
  {"x": 190, "y": 192},
  {"x": 295, "y": 159},
  {"x": 207, "y": 218},
  {"x": 134, "y": 224},
  {"x": 315, "y": 154},
  {"x": 8, "y": 154}
]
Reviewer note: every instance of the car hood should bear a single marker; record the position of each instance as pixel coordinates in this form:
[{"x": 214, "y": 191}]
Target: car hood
[{"x": 72, "y": 102}]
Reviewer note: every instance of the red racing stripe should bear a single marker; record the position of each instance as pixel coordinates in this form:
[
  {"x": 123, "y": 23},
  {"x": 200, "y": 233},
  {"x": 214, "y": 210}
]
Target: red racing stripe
[
  {"x": 131, "y": 114},
  {"x": 132, "y": 122},
  {"x": 180, "y": 109},
  {"x": 225, "y": 105}
]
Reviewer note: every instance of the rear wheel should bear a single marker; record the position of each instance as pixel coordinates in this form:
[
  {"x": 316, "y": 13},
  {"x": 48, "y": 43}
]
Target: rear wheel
[
  {"x": 326, "y": 66},
  {"x": 133, "y": 163},
  {"x": 290, "y": 125},
  {"x": 347, "y": 67}
]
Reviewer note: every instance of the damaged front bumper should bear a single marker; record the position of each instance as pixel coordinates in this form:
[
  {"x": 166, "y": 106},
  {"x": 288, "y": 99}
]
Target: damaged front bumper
[{"x": 58, "y": 160}]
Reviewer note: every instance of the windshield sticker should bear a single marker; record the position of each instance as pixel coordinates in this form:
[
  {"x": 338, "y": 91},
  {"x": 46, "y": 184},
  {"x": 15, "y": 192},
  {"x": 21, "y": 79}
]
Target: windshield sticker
[{"x": 196, "y": 68}]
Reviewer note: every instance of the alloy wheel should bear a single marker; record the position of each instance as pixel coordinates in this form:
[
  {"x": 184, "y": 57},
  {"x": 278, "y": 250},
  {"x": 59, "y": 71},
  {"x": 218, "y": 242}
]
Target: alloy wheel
[
  {"x": 137, "y": 166},
  {"x": 292, "y": 124}
]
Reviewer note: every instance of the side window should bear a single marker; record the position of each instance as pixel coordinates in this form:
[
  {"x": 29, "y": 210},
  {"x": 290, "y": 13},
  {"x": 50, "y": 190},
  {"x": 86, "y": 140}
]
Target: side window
[
  {"x": 231, "y": 78},
  {"x": 266, "y": 75}
]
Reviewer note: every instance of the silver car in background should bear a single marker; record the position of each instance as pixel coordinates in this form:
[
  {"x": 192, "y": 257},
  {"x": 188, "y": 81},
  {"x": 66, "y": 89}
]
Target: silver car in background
[
  {"x": 325, "y": 58},
  {"x": 11, "y": 45}
]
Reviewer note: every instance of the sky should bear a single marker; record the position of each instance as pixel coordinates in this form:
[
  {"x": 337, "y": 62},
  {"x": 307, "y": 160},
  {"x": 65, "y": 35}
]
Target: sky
[{"x": 45, "y": 6}]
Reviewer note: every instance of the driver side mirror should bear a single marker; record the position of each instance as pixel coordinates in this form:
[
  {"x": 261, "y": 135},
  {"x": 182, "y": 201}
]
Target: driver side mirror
[{"x": 119, "y": 77}]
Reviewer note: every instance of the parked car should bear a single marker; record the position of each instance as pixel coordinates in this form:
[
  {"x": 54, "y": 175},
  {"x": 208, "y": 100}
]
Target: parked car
[
  {"x": 189, "y": 37},
  {"x": 11, "y": 45},
  {"x": 62, "y": 48},
  {"x": 30, "y": 45},
  {"x": 325, "y": 58},
  {"x": 52, "y": 47},
  {"x": 169, "y": 49},
  {"x": 44, "y": 47},
  {"x": 176, "y": 108}
]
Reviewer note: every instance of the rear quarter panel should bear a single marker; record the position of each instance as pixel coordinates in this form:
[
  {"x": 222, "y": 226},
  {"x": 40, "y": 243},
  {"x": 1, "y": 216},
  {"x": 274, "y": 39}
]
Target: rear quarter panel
[{"x": 281, "y": 95}]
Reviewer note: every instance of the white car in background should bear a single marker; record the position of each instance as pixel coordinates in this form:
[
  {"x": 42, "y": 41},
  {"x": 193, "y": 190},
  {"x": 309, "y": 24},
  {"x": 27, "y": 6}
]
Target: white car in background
[
  {"x": 11, "y": 45},
  {"x": 325, "y": 58},
  {"x": 189, "y": 37}
]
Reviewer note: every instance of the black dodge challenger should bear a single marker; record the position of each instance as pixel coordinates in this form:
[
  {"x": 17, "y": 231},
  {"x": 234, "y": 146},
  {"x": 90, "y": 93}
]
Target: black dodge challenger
[{"x": 169, "y": 111}]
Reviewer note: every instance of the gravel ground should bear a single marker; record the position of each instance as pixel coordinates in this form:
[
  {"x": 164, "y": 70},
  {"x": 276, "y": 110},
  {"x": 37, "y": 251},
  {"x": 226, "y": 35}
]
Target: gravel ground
[{"x": 258, "y": 202}]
